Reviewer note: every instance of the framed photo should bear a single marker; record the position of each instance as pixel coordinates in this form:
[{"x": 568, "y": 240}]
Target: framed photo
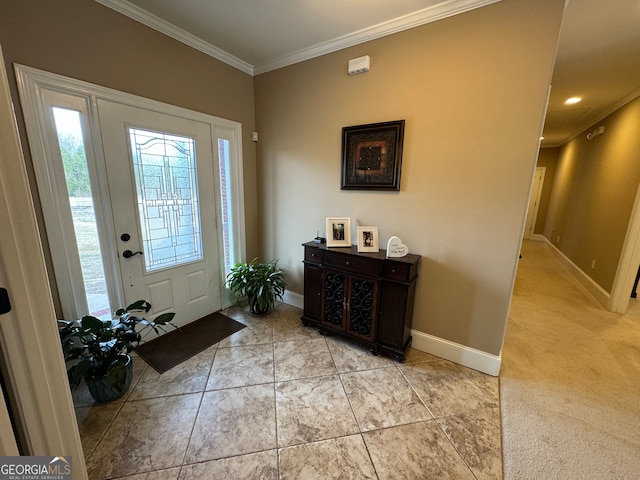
[
  {"x": 338, "y": 232},
  {"x": 367, "y": 239},
  {"x": 372, "y": 156}
]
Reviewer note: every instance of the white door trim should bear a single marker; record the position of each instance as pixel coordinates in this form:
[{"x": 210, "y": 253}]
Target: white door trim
[
  {"x": 628, "y": 263},
  {"x": 536, "y": 194},
  {"x": 38, "y": 388},
  {"x": 32, "y": 82},
  {"x": 8, "y": 445}
]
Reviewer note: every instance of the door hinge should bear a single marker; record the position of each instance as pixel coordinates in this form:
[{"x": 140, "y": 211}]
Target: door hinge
[{"x": 5, "y": 304}]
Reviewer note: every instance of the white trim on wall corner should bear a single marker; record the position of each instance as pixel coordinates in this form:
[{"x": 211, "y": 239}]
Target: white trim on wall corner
[
  {"x": 599, "y": 293},
  {"x": 460, "y": 354},
  {"x": 538, "y": 237},
  {"x": 294, "y": 299}
]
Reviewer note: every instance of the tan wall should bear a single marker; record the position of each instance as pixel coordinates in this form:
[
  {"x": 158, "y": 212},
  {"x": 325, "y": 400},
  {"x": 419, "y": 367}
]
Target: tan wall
[
  {"x": 84, "y": 40},
  {"x": 593, "y": 194},
  {"x": 547, "y": 158},
  {"x": 472, "y": 90}
]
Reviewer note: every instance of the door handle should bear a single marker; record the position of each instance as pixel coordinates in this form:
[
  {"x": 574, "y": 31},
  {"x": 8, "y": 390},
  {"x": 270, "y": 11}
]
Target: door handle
[{"x": 129, "y": 253}]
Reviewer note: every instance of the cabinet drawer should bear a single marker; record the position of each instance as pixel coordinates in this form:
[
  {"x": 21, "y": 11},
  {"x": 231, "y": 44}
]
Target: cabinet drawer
[
  {"x": 398, "y": 271},
  {"x": 352, "y": 263},
  {"x": 312, "y": 255}
]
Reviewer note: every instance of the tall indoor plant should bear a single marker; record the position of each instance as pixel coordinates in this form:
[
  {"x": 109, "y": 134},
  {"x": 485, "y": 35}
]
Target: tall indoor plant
[
  {"x": 260, "y": 283},
  {"x": 98, "y": 350}
]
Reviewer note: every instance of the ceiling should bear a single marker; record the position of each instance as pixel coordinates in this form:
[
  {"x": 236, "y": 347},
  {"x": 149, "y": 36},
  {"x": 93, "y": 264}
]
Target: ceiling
[{"x": 598, "y": 54}]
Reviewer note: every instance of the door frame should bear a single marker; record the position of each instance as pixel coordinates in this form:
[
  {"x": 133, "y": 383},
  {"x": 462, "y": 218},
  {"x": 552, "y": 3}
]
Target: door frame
[
  {"x": 536, "y": 195},
  {"x": 32, "y": 82},
  {"x": 35, "y": 373},
  {"x": 628, "y": 263}
]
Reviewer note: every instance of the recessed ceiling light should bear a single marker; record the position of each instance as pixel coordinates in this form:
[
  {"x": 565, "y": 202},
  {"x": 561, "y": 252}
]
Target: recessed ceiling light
[{"x": 572, "y": 100}]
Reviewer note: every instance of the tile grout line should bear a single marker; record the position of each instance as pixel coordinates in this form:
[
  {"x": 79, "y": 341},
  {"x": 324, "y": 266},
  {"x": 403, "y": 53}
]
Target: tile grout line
[
  {"x": 433, "y": 417},
  {"x": 186, "y": 450},
  {"x": 454, "y": 447},
  {"x": 275, "y": 397},
  {"x": 126, "y": 399}
]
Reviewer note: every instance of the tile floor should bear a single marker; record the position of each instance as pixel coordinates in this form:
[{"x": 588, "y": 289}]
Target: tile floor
[{"x": 277, "y": 400}]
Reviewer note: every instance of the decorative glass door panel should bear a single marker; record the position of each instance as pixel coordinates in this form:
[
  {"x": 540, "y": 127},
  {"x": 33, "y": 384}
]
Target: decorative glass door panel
[
  {"x": 334, "y": 299},
  {"x": 167, "y": 195},
  {"x": 362, "y": 301}
]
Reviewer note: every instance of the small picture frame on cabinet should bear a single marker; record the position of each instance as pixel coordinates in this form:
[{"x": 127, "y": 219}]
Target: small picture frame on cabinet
[
  {"x": 338, "y": 232},
  {"x": 367, "y": 239}
]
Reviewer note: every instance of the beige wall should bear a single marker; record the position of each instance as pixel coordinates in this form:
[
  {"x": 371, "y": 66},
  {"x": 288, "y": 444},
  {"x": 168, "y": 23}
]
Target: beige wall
[
  {"x": 547, "y": 158},
  {"x": 472, "y": 90},
  {"x": 593, "y": 194},
  {"x": 84, "y": 40}
]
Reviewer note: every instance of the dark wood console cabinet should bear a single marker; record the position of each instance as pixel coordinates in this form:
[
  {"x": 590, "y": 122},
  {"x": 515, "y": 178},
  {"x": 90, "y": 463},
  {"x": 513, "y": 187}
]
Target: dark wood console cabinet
[{"x": 362, "y": 296}]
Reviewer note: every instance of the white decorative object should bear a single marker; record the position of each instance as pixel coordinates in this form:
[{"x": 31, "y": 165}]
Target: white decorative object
[{"x": 395, "y": 248}]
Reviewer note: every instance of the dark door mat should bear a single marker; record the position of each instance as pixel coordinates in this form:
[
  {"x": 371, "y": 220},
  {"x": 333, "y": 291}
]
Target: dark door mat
[{"x": 170, "y": 349}]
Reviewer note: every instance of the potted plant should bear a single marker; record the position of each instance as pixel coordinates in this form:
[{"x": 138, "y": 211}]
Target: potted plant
[
  {"x": 98, "y": 350},
  {"x": 260, "y": 283}
]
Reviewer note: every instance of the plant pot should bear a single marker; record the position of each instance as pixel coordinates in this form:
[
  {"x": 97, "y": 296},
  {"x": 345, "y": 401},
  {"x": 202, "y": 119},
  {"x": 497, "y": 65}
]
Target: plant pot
[
  {"x": 103, "y": 391},
  {"x": 259, "y": 312}
]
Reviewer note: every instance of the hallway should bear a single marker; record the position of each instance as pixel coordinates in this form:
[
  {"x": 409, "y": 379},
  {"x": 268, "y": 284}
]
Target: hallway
[{"x": 570, "y": 383}]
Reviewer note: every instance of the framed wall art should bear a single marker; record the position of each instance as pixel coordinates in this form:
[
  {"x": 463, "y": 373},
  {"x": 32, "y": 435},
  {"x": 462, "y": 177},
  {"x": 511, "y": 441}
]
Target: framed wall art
[
  {"x": 367, "y": 239},
  {"x": 338, "y": 232},
  {"x": 372, "y": 156}
]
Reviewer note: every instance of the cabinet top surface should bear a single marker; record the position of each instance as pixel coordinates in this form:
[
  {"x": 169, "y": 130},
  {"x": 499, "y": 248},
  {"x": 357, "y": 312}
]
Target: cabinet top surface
[{"x": 353, "y": 250}]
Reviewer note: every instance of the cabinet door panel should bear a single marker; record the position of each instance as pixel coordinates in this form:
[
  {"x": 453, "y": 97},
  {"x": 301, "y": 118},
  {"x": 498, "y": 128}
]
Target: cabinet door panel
[
  {"x": 313, "y": 292},
  {"x": 333, "y": 296},
  {"x": 392, "y": 314},
  {"x": 363, "y": 294}
]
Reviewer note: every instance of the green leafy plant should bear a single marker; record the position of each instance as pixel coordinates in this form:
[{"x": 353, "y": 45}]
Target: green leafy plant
[
  {"x": 260, "y": 283},
  {"x": 97, "y": 348}
]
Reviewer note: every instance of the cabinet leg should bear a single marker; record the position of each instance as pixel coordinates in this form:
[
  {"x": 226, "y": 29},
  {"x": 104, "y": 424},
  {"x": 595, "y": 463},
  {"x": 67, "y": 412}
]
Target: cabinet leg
[{"x": 399, "y": 357}]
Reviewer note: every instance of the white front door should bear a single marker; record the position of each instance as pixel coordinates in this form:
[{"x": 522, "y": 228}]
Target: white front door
[{"x": 160, "y": 171}]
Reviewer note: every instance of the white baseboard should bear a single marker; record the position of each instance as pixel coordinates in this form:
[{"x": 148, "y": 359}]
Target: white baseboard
[
  {"x": 294, "y": 299},
  {"x": 460, "y": 354},
  {"x": 538, "y": 237},
  {"x": 599, "y": 293}
]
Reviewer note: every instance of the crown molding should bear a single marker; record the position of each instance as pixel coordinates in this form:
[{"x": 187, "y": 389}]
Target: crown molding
[
  {"x": 445, "y": 9},
  {"x": 582, "y": 127},
  {"x": 138, "y": 14}
]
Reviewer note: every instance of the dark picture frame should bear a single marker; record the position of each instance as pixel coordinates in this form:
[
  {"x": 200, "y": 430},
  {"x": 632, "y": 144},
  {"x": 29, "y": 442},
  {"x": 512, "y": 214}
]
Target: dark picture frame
[{"x": 372, "y": 156}]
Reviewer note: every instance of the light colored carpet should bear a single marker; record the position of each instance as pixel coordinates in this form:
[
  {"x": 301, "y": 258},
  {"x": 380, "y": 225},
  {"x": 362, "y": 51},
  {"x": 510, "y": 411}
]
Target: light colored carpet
[{"x": 570, "y": 379}]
